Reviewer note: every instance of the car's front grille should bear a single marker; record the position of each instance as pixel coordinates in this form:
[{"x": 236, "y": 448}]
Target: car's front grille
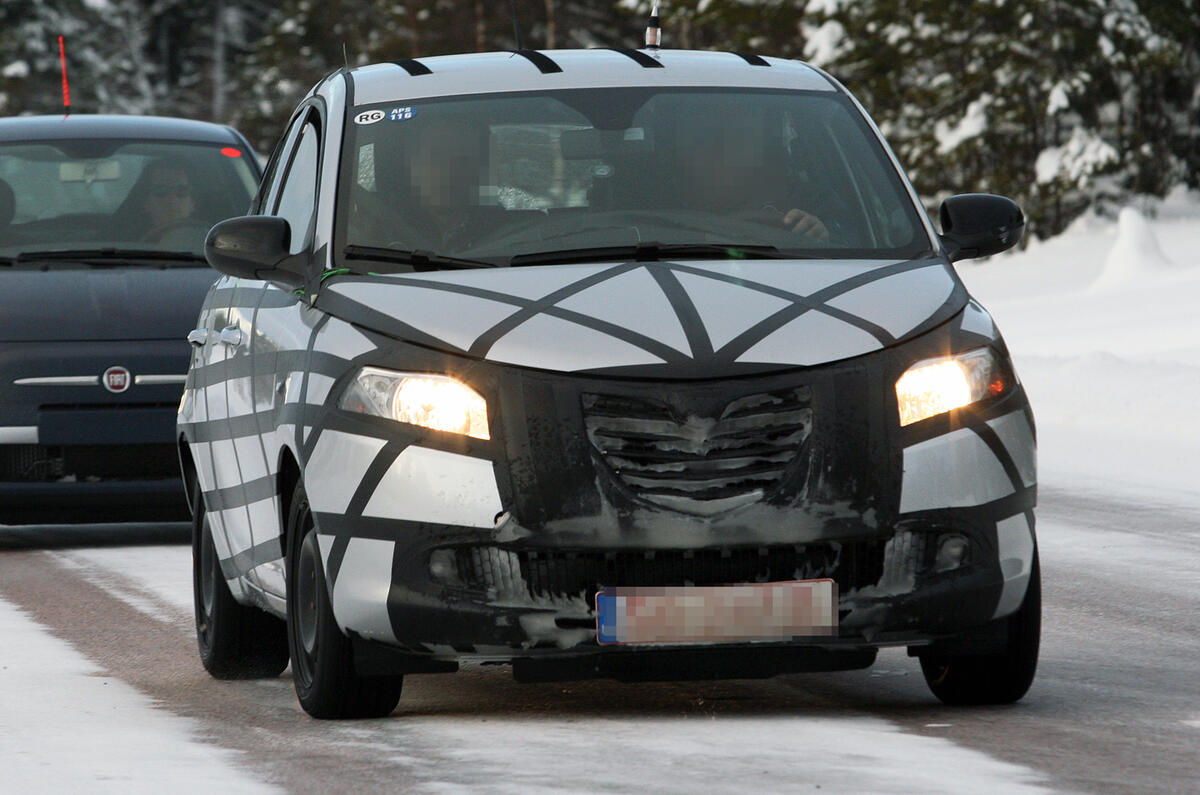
[
  {"x": 580, "y": 573},
  {"x": 32, "y": 463},
  {"x": 698, "y": 464}
]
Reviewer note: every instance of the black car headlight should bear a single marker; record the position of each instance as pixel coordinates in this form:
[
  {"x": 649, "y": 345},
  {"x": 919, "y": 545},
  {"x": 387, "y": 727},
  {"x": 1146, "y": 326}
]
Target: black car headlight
[
  {"x": 935, "y": 386},
  {"x": 437, "y": 402}
]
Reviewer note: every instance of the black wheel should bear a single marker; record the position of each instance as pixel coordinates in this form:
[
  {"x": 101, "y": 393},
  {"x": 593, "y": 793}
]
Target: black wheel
[
  {"x": 322, "y": 658},
  {"x": 998, "y": 678},
  {"x": 236, "y": 641}
]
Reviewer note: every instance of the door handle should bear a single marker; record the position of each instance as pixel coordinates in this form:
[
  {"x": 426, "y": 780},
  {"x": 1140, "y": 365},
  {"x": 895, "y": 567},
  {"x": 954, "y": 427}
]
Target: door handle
[
  {"x": 231, "y": 336},
  {"x": 198, "y": 337}
]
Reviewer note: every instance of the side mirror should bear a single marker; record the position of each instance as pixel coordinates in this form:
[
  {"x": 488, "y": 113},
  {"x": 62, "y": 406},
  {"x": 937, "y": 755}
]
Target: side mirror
[
  {"x": 979, "y": 224},
  {"x": 254, "y": 247}
]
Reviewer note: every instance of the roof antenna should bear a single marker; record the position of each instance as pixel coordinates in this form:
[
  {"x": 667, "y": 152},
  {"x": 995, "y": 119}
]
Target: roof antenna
[
  {"x": 654, "y": 29},
  {"x": 345, "y": 57},
  {"x": 512, "y": 6},
  {"x": 62, "y": 59}
]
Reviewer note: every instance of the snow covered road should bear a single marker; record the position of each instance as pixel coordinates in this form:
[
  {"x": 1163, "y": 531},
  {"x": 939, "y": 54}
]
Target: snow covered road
[{"x": 1116, "y": 705}]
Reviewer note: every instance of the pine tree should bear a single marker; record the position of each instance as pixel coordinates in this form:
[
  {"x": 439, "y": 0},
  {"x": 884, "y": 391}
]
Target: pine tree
[
  {"x": 106, "y": 44},
  {"x": 1062, "y": 104}
]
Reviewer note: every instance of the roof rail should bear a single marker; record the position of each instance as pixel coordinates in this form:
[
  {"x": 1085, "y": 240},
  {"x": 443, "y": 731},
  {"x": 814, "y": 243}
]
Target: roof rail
[
  {"x": 413, "y": 67},
  {"x": 642, "y": 58},
  {"x": 543, "y": 62},
  {"x": 752, "y": 59}
]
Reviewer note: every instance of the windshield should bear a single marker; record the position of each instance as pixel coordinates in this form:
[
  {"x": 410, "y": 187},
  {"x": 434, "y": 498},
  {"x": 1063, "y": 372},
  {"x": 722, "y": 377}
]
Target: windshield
[
  {"x": 500, "y": 176},
  {"x": 129, "y": 196}
]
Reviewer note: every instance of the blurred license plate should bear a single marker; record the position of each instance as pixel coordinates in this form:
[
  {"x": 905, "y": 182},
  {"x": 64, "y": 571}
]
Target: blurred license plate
[{"x": 717, "y": 614}]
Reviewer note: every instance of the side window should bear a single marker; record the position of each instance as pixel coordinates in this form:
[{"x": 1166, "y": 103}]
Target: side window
[
  {"x": 268, "y": 188},
  {"x": 297, "y": 197}
]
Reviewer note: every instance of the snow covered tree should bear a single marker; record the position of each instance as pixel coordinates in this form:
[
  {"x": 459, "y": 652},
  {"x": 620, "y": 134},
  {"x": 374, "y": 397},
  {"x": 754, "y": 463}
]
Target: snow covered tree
[
  {"x": 106, "y": 44},
  {"x": 1061, "y": 104}
]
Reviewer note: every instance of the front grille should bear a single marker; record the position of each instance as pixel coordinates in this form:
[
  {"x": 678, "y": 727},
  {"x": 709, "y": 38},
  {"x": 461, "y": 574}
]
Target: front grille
[
  {"x": 697, "y": 464},
  {"x": 33, "y": 463},
  {"x": 564, "y": 573}
]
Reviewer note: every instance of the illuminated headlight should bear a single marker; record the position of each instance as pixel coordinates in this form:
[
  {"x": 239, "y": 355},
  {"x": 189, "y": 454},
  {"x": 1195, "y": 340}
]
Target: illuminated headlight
[
  {"x": 936, "y": 386},
  {"x": 438, "y": 402}
]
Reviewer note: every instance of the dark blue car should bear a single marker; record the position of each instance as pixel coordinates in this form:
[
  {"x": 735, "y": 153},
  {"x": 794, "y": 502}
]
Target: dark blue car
[{"x": 102, "y": 273}]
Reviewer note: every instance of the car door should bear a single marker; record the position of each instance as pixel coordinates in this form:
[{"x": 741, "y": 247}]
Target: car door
[
  {"x": 266, "y": 318},
  {"x": 216, "y": 462}
]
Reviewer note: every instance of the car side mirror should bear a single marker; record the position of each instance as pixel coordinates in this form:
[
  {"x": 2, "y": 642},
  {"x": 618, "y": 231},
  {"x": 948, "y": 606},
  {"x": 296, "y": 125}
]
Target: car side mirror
[
  {"x": 255, "y": 247},
  {"x": 979, "y": 224}
]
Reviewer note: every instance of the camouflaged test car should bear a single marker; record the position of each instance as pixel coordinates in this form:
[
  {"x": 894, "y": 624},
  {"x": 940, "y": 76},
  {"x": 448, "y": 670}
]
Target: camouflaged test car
[{"x": 603, "y": 363}]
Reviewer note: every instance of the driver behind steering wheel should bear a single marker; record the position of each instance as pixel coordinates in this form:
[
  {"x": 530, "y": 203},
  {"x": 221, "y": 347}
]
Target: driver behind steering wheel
[
  {"x": 165, "y": 191},
  {"x": 725, "y": 168}
]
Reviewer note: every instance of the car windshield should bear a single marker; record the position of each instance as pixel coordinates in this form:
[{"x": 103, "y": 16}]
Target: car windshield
[
  {"x": 669, "y": 171},
  {"x": 106, "y": 196}
]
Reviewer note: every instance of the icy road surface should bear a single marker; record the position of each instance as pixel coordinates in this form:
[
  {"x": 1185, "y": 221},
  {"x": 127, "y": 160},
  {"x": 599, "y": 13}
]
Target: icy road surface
[{"x": 1116, "y": 705}]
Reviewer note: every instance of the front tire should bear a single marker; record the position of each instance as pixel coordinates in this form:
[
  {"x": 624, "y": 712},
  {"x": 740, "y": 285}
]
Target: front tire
[
  {"x": 322, "y": 657},
  {"x": 235, "y": 641},
  {"x": 999, "y": 678}
]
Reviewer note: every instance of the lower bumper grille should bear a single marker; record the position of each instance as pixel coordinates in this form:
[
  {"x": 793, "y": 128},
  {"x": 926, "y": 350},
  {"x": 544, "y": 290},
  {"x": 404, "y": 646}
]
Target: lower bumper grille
[
  {"x": 562, "y": 574},
  {"x": 32, "y": 463}
]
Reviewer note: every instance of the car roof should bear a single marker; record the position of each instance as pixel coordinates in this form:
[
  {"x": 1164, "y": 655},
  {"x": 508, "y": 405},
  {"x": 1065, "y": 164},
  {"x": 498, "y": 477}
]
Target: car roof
[
  {"x": 76, "y": 126},
  {"x": 534, "y": 70}
]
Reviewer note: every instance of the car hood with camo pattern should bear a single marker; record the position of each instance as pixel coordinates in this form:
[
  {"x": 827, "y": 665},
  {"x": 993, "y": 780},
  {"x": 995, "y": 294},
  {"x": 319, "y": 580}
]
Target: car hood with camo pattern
[{"x": 706, "y": 319}]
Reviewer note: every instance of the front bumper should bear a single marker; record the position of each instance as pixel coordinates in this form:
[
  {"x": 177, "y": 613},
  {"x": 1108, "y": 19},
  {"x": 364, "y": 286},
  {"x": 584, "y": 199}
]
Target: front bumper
[
  {"x": 72, "y": 451},
  {"x": 493, "y": 550}
]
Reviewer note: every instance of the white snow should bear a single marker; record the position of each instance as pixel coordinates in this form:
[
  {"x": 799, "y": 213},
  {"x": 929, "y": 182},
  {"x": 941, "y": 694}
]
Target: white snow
[
  {"x": 825, "y": 43},
  {"x": 1082, "y": 155},
  {"x": 155, "y": 580},
  {"x": 16, "y": 69},
  {"x": 973, "y": 123},
  {"x": 684, "y": 755},
  {"x": 65, "y": 727},
  {"x": 1136, "y": 252},
  {"x": 1105, "y": 335}
]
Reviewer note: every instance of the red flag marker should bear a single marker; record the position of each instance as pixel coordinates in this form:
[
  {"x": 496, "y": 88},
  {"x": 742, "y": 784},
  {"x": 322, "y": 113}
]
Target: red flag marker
[{"x": 62, "y": 59}]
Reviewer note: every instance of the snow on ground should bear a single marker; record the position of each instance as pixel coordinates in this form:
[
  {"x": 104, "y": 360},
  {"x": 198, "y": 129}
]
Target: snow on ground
[
  {"x": 684, "y": 755},
  {"x": 66, "y": 728},
  {"x": 1103, "y": 323},
  {"x": 155, "y": 580}
]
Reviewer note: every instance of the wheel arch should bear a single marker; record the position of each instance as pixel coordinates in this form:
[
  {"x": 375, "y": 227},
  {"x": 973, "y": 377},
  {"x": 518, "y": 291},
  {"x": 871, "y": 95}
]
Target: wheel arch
[
  {"x": 289, "y": 475},
  {"x": 187, "y": 468}
]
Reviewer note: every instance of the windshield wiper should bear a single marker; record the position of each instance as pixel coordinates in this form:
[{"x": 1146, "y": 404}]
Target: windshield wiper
[
  {"x": 126, "y": 255},
  {"x": 421, "y": 260},
  {"x": 653, "y": 252}
]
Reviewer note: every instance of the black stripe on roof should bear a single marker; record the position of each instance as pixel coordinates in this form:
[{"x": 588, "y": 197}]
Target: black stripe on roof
[
  {"x": 543, "y": 62},
  {"x": 413, "y": 67},
  {"x": 642, "y": 58},
  {"x": 752, "y": 59}
]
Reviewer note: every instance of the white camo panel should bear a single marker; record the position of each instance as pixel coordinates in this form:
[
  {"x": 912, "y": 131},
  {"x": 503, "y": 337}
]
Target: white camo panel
[
  {"x": 425, "y": 485},
  {"x": 1016, "y": 434},
  {"x": 361, "y": 590},
  {"x": 552, "y": 344},
  {"x": 812, "y": 338},
  {"x": 1015, "y": 545},
  {"x": 956, "y": 470},
  {"x": 337, "y": 465},
  {"x": 901, "y": 302}
]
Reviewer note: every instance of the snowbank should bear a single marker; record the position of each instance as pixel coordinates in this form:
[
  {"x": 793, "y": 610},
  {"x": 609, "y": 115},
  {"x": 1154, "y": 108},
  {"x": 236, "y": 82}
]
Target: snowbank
[{"x": 66, "y": 728}]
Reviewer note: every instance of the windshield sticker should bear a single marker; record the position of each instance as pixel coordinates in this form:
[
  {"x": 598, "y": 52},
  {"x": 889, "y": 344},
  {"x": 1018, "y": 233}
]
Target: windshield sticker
[
  {"x": 401, "y": 114},
  {"x": 369, "y": 117}
]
